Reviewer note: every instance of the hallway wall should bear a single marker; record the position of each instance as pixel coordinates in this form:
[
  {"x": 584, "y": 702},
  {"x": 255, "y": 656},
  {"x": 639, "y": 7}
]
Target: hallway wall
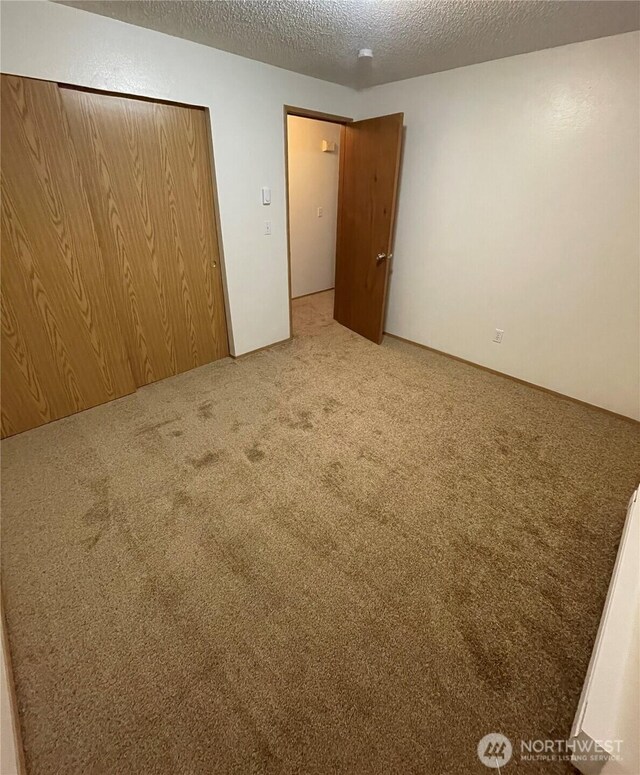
[{"x": 313, "y": 184}]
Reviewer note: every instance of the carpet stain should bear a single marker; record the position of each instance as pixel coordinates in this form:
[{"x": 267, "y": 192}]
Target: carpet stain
[
  {"x": 208, "y": 459},
  {"x": 99, "y": 515},
  {"x": 303, "y": 421},
  {"x": 254, "y": 453},
  {"x": 330, "y": 405},
  {"x": 205, "y": 410},
  {"x": 149, "y": 428},
  {"x": 89, "y": 543},
  {"x": 100, "y": 511}
]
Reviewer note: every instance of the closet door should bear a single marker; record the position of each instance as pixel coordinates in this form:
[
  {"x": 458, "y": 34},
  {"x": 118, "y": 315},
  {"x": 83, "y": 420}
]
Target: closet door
[
  {"x": 147, "y": 170},
  {"x": 62, "y": 348}
]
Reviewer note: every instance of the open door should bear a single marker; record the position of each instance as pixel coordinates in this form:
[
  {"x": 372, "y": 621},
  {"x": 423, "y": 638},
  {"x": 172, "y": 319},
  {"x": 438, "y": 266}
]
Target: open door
[{"x": 369, "y": 171}]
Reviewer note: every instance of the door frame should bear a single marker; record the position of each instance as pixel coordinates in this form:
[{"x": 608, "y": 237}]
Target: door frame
[{"x": 290, "y": 110}]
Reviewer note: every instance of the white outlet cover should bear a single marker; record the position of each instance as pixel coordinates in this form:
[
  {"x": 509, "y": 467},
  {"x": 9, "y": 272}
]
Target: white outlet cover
[{"x": 498, "y": 337}]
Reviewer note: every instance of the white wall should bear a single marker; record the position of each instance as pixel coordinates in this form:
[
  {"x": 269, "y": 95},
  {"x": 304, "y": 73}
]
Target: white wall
[
  {"x": 245, "y": 98},
  {"x": 519, "y": 209},
  {"x": 313, "y": 183}
]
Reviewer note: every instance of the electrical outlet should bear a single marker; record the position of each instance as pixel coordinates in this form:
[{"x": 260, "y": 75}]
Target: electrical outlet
[
  {"x": 267, "y": 228},
  {"x": 498, "y": 337}
]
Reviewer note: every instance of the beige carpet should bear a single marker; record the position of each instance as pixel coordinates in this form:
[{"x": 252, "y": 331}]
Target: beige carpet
[{"x": 328, "y": 557}]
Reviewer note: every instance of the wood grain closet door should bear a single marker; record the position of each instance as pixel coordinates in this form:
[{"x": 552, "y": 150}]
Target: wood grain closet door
[
  {"x": 147, "y": 169},
  {"x": 62, "y": 348}
]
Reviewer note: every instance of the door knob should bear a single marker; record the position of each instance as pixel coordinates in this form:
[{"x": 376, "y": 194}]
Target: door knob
[{"x": 381, "y": 257}]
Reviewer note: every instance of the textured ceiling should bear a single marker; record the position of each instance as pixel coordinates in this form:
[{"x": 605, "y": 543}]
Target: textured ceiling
[{"x": 408, "y": 37}]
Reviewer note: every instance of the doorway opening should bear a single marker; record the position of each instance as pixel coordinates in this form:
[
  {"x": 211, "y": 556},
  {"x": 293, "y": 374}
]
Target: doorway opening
[
  {"x": 312, "y": 142},
  {"x": 340, "y": 217}
]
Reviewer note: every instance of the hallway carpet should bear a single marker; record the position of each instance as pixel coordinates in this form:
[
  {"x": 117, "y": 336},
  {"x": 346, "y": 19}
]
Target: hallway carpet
[{"x": 327, "y": 557}]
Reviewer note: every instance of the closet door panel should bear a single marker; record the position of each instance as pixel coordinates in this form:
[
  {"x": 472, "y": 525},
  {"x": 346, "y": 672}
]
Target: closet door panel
[
  {"x": 121, "y": 185},
  {"x": 202, "y": 181},
  {"x": 184, "y": 141},
  {"x": 62, "y": 350},
  {"x": 146, "y": 132},
  {"x": 144, "y": 166}
]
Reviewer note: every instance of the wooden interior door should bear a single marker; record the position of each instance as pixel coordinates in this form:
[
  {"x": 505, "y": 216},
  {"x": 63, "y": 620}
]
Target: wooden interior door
[
  {"x": 148, "y": 170},
  {"x": 370, "y": 165},
  {"x": 62, "y": 348}
]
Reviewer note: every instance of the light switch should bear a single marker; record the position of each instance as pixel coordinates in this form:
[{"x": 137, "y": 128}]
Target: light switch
[
  {"x": 266, "y": 195},
  {"x": 320, "y": 212},
  {"x": 267, "y": 228}
]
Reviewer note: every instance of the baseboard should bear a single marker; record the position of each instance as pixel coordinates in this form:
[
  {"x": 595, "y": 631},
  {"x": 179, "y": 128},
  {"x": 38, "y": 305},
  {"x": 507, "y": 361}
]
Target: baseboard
[
  {"x": 515, "y": 379},
  {"x": 260, "y": 349},
  {"x": 314, "y": 293}
]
